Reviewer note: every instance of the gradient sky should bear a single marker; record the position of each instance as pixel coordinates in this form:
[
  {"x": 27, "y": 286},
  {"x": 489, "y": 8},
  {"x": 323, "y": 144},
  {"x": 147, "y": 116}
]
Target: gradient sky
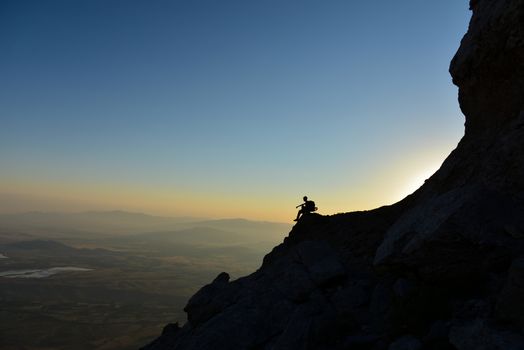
[{"x": 224, "y": 108}]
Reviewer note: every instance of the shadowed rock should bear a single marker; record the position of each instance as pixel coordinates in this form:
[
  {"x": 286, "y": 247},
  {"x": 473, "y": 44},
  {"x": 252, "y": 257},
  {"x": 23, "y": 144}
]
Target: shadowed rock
[{"x": 430, "y": 272}]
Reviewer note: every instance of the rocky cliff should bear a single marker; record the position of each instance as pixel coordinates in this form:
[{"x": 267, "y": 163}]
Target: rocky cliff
[{"x": 442, "y": 269}]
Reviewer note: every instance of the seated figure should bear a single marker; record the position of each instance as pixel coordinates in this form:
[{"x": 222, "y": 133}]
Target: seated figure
[{"x": 306, "y": 207}]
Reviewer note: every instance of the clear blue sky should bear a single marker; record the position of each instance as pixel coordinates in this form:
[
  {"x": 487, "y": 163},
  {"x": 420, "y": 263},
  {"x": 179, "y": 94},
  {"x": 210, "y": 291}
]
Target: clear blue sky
[{"x": 224, "y": 108}]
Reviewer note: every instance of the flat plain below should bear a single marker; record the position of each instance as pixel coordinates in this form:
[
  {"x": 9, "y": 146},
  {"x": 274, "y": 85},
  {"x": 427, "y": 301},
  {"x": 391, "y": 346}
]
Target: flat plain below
[{"x": 132, "y": 287}]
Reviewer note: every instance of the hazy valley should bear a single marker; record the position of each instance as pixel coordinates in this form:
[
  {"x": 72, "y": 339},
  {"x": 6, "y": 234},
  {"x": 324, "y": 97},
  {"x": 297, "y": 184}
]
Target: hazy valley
[{"x": 123, "y": 277}]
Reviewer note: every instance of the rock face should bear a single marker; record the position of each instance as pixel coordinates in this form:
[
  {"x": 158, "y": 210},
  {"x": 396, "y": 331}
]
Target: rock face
[{"x": 442, "y": 269}]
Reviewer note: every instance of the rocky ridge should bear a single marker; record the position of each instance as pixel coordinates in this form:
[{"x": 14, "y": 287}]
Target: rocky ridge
[{"x": 442, "y": 269}]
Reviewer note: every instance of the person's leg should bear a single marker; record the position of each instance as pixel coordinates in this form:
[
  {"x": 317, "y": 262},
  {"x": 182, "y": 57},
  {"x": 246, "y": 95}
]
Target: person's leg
[{"x": 299, "y": 213}]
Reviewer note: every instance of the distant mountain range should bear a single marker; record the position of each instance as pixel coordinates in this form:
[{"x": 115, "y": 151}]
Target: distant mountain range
[
  {"x": 101, "y": 224},
  {"x": 95, "y": 221}
]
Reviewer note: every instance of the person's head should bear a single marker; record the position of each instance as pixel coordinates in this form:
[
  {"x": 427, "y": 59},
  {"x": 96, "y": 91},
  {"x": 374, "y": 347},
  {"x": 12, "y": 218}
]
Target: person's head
[{"x": 305, "y": 198}]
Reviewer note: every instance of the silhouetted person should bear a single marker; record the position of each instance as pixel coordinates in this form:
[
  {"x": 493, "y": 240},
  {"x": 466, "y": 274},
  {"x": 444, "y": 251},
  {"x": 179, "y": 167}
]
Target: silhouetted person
[{"x": 305, "y": 208}]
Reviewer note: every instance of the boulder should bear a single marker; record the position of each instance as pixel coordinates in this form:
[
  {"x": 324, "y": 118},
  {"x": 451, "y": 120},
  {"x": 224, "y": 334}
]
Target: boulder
[{"x": 208, "y": 301}]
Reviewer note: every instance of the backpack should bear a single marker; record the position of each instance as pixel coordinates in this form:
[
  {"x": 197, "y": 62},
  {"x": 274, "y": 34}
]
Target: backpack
[{"x": 310, "y": 206}]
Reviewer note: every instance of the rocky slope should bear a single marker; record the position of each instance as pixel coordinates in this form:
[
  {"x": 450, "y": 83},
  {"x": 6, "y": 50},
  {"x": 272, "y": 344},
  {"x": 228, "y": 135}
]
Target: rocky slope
[{"x": 442, "y": 269}]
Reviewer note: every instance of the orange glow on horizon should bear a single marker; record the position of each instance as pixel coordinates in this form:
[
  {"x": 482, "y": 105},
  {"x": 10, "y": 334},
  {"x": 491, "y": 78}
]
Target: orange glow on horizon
[{"x": 386, "y": 185}]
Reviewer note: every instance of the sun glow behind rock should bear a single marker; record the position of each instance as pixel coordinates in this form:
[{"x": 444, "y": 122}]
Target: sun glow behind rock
[{"x": 414, "y": 183}]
